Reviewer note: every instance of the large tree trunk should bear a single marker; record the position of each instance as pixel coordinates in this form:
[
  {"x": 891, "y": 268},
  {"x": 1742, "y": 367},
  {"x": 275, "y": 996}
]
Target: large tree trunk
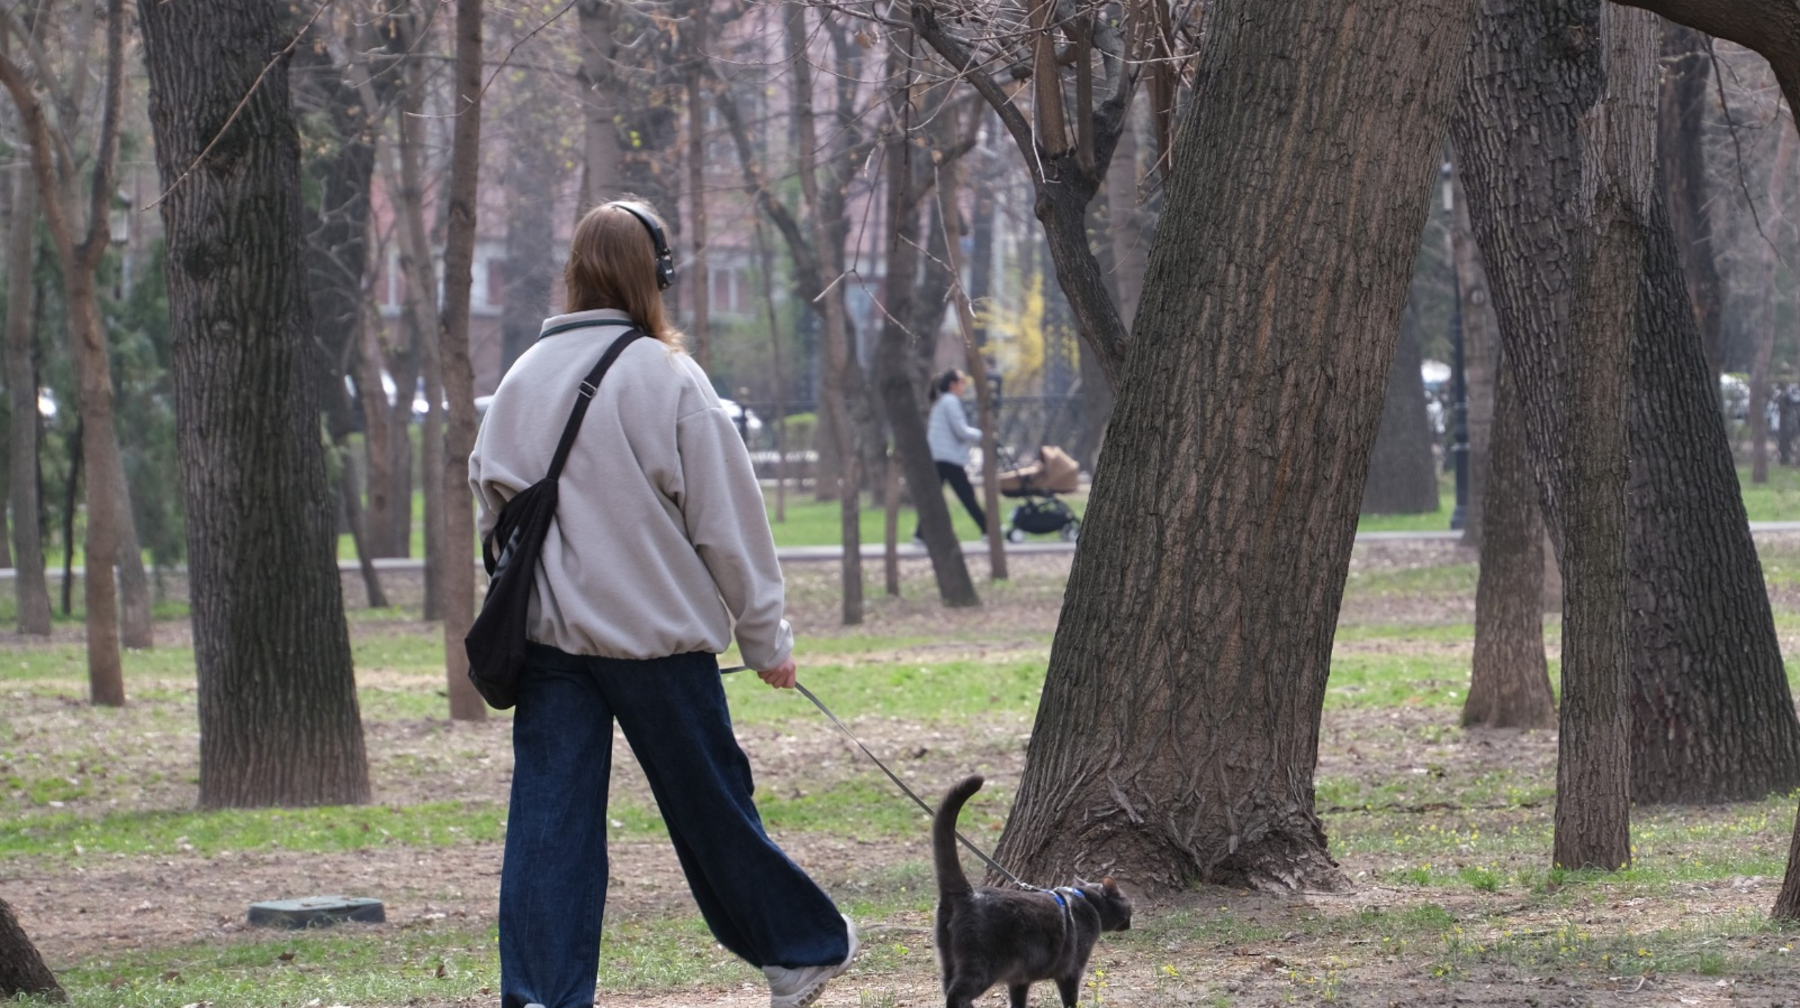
[
  {"x": 1402, "y": 470},
  {"x": 1224, "y": 509},
  {"x": 22, "y": 970},
  {"x": 1680, "y": 125},
  {"x": 458, "y": 535},
  {"x": 1509, "y": 680},
  {"x": 279, "y": 723},
  {"x": 1712, "y": 717},
  {"x": 1691, "y": 562},
  {"x": 1617, "y": 144},
  {"x": 1531, "y": 196},
  {"x": 29, "y": 584}
]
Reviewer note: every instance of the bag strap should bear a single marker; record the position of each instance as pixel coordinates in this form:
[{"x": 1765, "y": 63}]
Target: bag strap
[{"x": 589, "y": 386}]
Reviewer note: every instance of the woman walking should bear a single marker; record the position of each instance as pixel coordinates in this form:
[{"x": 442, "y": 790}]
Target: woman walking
[
  {"x": 950, "y": 437},
  {"x": 660, "y": 550}
]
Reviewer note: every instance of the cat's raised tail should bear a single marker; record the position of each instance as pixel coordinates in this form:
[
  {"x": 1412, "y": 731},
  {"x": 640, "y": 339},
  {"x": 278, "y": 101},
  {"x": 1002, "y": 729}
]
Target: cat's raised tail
[{"x": 950, "y": 878}]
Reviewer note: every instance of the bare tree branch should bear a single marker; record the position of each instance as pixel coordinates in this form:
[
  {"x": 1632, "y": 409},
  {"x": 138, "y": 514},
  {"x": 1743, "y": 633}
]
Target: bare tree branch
[{"x": 1768, "y": 27}]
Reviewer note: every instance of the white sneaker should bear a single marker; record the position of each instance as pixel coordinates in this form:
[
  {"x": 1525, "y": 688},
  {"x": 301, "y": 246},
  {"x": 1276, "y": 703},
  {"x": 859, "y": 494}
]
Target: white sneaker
[{"x": 801, "y": 986}]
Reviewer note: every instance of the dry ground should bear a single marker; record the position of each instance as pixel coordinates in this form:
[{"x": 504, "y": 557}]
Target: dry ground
[{"x": 83, "y": 908}]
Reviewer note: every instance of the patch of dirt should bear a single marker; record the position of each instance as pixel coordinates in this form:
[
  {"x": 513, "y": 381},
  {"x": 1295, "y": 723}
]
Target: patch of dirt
[{"x": 1306, "y": 949}]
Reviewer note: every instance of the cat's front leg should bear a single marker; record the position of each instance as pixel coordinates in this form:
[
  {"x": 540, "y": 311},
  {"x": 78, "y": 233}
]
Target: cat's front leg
[
  {"x": 1018, "y": 993},
  {"x": 1070, "y": 989}
]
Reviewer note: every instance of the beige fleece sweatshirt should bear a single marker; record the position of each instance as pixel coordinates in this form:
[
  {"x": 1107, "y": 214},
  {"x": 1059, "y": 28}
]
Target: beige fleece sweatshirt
[{"x": 660, "y": 541}]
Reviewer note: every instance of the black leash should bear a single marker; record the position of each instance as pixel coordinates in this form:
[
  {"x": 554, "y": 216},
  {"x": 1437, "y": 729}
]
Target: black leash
[{"x": 966, "y": 842}]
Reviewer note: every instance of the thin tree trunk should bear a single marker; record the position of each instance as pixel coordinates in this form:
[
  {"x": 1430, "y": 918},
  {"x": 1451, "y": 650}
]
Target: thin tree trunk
[
  {"x": 457, "y": 537},
  {"x": 79, "y": 256},
  {"x": 427, "y": 326},
  {"x": 699, "y": 274},
  {"x": 279, "y": 722},
  {"x": 778, "y": 383},
  {"x": 1509, "y": 680},
  {"x": 1593, "y": 768},
  {"x": 950, "y": 216},
  {"x": 838, "y": 359},
  {"x": 1481, "y": 362},
  {"x": 600, "y": 172},
  {"x": 29, "y": 584},
  {"x": 895, "y": 379},
  {"x": 1683, "y": 99},
  {"x": 1224, "y": 509},
  {"x": 136, "y": 629},
  {"x": 350, "y": 504},
  {"x": 1764, "y": 339},
  {"x": 385, "y": 488}
]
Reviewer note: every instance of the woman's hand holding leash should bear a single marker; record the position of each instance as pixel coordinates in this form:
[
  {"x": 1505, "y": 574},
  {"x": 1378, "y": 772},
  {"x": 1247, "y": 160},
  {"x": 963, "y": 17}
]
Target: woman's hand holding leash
[{"x": 781, "y": 676}]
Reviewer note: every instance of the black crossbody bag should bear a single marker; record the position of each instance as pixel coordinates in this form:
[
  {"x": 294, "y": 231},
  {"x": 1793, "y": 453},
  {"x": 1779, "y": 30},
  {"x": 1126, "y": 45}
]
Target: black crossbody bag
[{"x": 496, "y": 640}]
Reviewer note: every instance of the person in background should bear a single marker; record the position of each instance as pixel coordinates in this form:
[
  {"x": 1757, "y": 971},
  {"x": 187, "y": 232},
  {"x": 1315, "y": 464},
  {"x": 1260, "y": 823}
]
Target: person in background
[
  {"x": 950, "y": 437},
  {"x": 660, "y": 552}
]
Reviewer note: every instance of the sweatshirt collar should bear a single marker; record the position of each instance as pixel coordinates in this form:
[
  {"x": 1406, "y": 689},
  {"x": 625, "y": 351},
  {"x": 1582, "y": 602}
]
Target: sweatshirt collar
[{"x": 608, "y": 316}]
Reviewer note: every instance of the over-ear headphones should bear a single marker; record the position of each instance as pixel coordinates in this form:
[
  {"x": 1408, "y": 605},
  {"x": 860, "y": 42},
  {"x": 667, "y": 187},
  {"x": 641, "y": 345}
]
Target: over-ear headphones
[{"x": 665, "y": 259}]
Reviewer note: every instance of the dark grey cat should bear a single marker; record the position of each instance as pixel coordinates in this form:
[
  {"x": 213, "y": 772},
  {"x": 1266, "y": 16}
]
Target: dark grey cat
[{"x": 987, "y": 936}]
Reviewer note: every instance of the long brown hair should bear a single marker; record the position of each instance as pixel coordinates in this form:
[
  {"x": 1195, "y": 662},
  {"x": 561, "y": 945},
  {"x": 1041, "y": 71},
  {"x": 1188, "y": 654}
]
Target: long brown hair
[{"x": 612, "y": 264}]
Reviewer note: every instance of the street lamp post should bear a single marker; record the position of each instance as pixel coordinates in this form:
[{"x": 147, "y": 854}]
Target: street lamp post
[
  {"x": 1459, "y": 390},
  {"x": 119, "y": 230}
]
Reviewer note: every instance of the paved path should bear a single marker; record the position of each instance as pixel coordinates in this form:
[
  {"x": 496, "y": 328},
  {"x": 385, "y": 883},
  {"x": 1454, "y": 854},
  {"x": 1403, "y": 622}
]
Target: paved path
[{"x": 912, "y": 550}]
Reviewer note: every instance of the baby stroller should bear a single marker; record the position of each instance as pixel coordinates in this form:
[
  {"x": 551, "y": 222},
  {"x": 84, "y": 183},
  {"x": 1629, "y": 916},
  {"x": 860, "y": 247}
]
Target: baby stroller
[{"x": 1038, "y": 482}]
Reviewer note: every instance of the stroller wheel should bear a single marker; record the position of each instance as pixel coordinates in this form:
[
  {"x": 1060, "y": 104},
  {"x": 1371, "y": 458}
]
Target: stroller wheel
[
  {"x": 1015, "y": 535},
  {"x": 1071, "y": 530}
]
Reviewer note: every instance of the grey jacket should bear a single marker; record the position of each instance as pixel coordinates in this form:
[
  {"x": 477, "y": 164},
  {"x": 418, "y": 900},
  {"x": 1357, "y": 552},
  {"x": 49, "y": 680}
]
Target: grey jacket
[
  {"x": 948, "y": 431},
  {"x": 661, "y": 543}
]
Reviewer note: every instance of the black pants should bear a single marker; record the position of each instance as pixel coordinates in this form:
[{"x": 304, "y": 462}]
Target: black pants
[{"x": 958, "y": 478}]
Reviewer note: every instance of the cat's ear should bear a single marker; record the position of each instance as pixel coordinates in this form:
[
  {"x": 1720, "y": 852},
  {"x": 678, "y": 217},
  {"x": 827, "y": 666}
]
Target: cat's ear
[{"x": 1108, "y": 884}]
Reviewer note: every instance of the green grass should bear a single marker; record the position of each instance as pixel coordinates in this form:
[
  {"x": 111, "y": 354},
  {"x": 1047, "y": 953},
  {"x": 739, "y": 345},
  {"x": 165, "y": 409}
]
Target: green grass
[{"x": 210, "y": 833}]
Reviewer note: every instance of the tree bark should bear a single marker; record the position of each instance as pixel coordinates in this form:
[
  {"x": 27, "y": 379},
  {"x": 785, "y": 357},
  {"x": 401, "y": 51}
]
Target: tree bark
[
  {"x": 1712, "y": 716},
  {"x": 1224, "y": 508},
  {"x": 1691, "y": 560},
  {"x": 458, "y": 535},
  {"x": 1593, "y": 769},
  {"x": 279, "y": 723},
  {"x": 1509, "y": 681},
  {"x": 1787, "y": 901},
  {"x": 1680, "y": 122},
  {"x": 30, "y": 586},
  {"x": 601, "y": 175},
  {"x": 22, "y": 970}
]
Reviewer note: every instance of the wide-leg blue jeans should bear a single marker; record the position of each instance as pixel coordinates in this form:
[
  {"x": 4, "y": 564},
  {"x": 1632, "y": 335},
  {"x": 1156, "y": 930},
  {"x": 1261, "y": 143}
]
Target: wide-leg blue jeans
[{"x": 758, "y": 903}]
